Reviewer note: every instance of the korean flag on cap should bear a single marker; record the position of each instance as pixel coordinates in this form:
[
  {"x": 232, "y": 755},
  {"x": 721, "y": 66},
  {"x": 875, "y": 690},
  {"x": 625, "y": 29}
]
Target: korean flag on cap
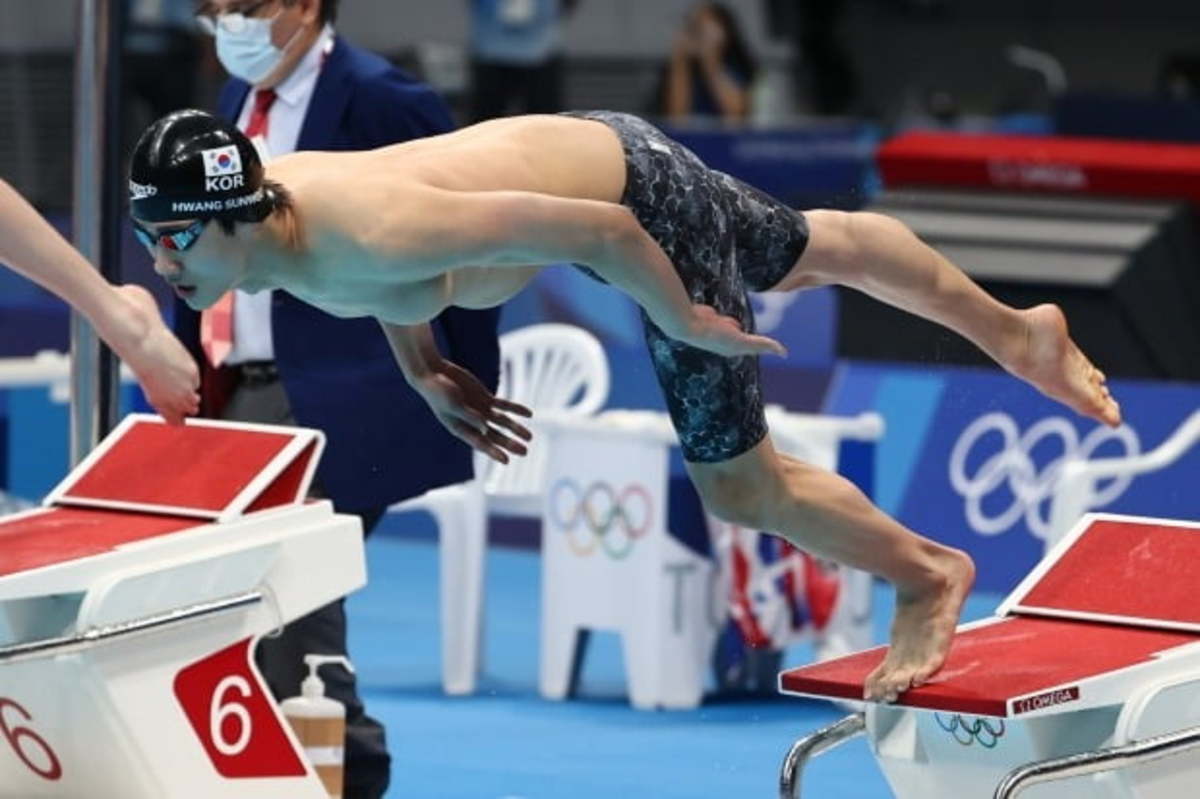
[{"x": 222, "y": 161}]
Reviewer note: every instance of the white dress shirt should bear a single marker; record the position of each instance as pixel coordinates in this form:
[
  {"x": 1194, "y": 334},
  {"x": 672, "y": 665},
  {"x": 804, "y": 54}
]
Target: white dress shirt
[{"x": 252, "y": 339}]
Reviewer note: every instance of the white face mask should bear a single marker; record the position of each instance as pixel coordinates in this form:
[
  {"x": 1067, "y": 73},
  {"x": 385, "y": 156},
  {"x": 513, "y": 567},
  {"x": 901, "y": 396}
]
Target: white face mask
[{"x": 245, "y": 49}]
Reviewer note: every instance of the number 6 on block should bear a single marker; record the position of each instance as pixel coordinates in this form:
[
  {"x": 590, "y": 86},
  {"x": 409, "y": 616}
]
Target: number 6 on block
[
  {"x": 24, "y": 739},
  {"x": 234, "y": 719}
]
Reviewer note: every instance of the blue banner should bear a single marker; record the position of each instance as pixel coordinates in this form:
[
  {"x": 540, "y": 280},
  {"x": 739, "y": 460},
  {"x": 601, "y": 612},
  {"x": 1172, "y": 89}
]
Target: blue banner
[
  {"x": 35, "y": 437},
  {"x": 805, "y": 322},
  {"x": 970, "y": 456},
  {"x": 832, "y": 165}
]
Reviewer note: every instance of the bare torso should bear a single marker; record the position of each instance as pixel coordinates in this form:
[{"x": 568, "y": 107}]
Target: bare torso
[{"x": 344, "y": 198}]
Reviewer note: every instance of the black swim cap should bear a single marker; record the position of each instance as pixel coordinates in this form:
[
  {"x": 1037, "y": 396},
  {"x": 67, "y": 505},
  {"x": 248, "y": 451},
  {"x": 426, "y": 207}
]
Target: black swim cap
[{"x": 191, "y": 164}]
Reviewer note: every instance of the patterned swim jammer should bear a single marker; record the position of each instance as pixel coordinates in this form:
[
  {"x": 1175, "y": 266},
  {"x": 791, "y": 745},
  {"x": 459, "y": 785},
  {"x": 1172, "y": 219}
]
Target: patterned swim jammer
[{"x": 725, "y": 238}]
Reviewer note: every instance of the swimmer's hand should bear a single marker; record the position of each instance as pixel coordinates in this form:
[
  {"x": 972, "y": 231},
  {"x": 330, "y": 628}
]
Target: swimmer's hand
[
  {"x": 723, "y": 335},
  {"x": 467, "y": 409},
  {"x": 167, "y": 373}
]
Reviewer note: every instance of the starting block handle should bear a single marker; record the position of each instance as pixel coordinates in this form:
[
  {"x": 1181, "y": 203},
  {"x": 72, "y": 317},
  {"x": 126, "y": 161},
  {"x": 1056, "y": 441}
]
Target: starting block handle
[
  {"x": 1135, "y": 754},
  {"x": 810, "y": 746},
  {"x": 62, "y": 645}
]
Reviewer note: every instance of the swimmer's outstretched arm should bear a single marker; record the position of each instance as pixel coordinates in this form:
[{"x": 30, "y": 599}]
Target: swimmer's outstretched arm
[
  {"x": 125, "y": 317},
  {"x": 457, "y": 398},
  {"x": 440, "y": 230}
]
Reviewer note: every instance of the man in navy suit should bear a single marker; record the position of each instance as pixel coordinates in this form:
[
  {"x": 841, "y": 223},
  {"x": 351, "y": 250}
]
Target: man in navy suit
[{"x": 298, "y": 86}]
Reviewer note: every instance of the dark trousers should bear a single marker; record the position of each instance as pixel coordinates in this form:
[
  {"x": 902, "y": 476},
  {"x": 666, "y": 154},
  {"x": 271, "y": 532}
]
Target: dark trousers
[
  {"x": 501, "y": 89},
  {"x": 322, "y": 632}
]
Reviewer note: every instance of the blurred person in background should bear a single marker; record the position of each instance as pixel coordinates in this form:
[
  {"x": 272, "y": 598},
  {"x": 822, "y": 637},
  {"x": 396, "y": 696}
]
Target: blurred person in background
[
  {"x": 268, "y": 357},
  {"x": 126, "y": 317},
  {"x": 711, "y": 70},
  {"x": 516, "y": 56}
]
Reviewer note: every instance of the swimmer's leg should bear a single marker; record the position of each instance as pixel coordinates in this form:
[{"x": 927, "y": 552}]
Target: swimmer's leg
[
  {"x": 881, "y": 257},
  {"x": 825, "y": 514}
]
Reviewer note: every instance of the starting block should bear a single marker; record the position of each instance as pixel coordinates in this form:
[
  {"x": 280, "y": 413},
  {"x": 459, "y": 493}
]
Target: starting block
[
  {"x": 1089, "y": 670},
  {"x": 130, "y": 604}
]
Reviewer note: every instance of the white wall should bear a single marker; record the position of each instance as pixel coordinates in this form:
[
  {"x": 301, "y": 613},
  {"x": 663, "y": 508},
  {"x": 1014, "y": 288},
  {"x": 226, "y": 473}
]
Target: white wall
[{"x": 37, "y": 24}]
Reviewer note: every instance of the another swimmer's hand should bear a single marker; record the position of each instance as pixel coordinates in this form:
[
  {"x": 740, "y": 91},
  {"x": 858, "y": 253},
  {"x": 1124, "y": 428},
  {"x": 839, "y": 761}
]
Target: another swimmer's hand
[
  {"x": 723, "y": 335},
  {"x": 467, "y": 409},
  {"x": 168, "y": 374}
]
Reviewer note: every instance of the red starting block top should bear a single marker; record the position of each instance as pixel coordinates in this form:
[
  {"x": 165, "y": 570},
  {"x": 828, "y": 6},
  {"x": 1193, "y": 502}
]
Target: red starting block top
[
  {"x": 149, "y": 479},
  {"x": 1123, "y": 589},
  {"x": 51, "y": 536},
  {"x": 1119, "y": 569},
  {"x": 202, "y": 469},
  {"x": 993, "y": 668}
]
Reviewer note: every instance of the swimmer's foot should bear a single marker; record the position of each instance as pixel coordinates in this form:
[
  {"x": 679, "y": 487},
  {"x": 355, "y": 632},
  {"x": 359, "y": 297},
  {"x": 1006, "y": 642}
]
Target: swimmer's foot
[
  {"x": 1049, "y": 360},
  {"x": 923, "y": 628}
]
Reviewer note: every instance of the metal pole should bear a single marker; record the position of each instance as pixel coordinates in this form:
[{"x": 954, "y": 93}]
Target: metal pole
[
  {"x": 95, "y": 216},
  {"x": 1132, "y": 754},
  {"x": 792, "y": 772},
  {"x": 167, "y": 619}
]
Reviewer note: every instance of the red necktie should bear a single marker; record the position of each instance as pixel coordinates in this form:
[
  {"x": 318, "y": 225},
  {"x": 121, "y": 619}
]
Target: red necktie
[
  {"x": 257, "y": 125},
  {"x": 216, "y": 323}
]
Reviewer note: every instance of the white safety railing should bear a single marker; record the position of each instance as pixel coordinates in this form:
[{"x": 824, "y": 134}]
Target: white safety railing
[
  {"x": 1077, "y": 487},
  {"x": 49, "y": 368}
]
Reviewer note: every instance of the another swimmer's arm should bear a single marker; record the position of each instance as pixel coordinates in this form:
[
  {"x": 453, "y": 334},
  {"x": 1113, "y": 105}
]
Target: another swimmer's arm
[
  {"x": 124, "y": 317},
  {"x": 33, "y": 248}
]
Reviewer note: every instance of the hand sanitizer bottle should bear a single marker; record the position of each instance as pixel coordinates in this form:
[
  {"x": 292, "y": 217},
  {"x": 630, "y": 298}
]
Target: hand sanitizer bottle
[{"x": 320, "y": 723}]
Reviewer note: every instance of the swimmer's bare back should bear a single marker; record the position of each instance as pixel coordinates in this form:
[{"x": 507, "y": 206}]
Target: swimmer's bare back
[
  {"x": 467, "y": 218},
  {"x": 347, "y": 201},
  {"x": 555, "y": 155}
]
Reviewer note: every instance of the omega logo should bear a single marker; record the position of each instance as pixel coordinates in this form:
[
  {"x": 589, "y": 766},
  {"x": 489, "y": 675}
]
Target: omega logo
[{"x": 1048, "y": 699}]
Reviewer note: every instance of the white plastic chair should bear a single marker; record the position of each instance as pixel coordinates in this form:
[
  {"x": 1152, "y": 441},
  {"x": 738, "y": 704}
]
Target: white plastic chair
[
  {"x": 553, "y": 369},
  {"x": 658, "y": 595}
]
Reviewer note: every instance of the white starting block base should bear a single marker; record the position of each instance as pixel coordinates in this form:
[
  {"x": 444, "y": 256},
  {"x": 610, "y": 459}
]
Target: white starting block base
[
  {"x": 132, "y": 604},
  {"x": 1098, "y": 648}
]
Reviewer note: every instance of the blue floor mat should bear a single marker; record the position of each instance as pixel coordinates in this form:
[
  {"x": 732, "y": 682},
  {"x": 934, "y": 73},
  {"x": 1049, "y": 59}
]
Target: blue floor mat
[{"x": 506, "y": 742}]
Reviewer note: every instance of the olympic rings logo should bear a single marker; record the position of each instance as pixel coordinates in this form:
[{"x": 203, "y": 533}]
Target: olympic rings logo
[
  {"x": 1013, "y": 466},
  {"x": 985, "y": 732},
  {"x": 600, "y": 518}
]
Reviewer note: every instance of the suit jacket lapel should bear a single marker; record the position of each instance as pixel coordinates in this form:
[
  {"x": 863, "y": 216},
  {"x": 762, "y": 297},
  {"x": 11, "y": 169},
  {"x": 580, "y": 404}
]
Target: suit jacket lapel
[
  {"x": 232, "y": 99},
  {"x": 329, "y": 99}
]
